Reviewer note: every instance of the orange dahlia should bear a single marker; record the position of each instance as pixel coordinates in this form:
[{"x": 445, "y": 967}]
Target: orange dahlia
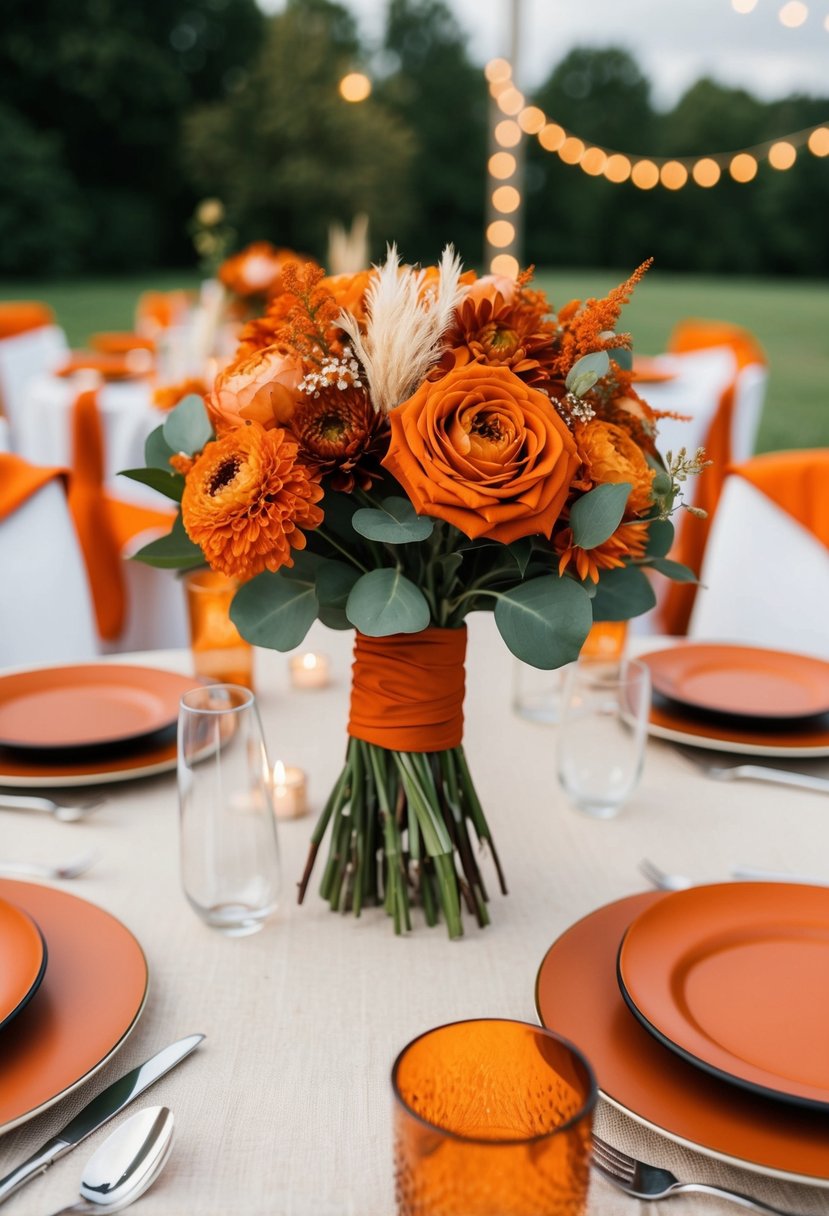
[
  {"x": 628, "y": 541},
  {"x": 501, "y": 323},
  {"x": 340, "y": 435},
  {"x": 246, "y": 500},
  {"x": 610, "y": 455}
]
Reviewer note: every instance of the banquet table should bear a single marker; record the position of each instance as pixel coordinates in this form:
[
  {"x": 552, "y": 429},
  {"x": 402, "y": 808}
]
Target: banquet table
[{"x": 286, "y": 1107}]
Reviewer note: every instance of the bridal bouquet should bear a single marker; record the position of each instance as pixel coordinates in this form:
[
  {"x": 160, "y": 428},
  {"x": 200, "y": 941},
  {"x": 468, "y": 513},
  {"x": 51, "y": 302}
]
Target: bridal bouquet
[{"x": 388, "y": 452}]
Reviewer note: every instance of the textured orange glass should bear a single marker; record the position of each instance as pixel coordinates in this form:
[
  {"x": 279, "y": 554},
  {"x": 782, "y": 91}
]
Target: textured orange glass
[
  {"x": 605, "y": 641},
  {"x": 219, "y": 650},
  {"x": 492, "y": 1118}
]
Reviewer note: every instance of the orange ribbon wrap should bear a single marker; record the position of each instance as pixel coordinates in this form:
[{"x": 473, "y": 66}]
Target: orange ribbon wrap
[{"x": 407, "y": 690}]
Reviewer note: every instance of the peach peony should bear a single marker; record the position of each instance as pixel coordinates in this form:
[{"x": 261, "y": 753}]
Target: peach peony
[
  {"x": 246, "y": 500},
  {"x": 610, "y": 455},
  {"x": 260, "y": 387},
  {"x": 485, "y": 452}
]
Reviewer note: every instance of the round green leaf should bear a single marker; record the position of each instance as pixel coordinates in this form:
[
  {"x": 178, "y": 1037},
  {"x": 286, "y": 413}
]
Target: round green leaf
[
  {"x": 187, "y": 428},
  {"x": 157, "y": 451},
  {"x": 596, "y": 516},
  {"x": 383, "y": 602},
  {"x": 395, "y": 522},
  {"x": 622, "y": 594},
  {"x": 274, "y": 611},
  {"x": 660, "y": 537},
  {"x": 334, "y": 583},
  {"x": 544, "y": 621},
  {"x": 175, "y": 551},
  {"x": 586, "y": 371}
]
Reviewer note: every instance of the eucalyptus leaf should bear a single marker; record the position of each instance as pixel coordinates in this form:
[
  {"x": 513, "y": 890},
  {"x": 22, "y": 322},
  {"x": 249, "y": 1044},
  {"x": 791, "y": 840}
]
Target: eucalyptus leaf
[
  {"x": 661, "y": 484},
  {"x": 274, "y": 611},
  {"x": 170, "y": 484},
  {"x": 187, "y": 428},
  {"x": 586, "y": 371},
  {"x": 334, "y": 618},
  {"x": 660, "y": 538},
  {"x": 175, "y": 551},
  {"x": 622, "y": 357},
  {"x": 339, "y": 510},
  {"x": 334, "y": 583},
  {"x": 544, "y": 621},
  {"x": 521, "y": 551},
  {"x": 622, "y": 594},
  {"x": 674, "y": 570},
  {"x": 596, "y": 515},
  {"x": 383, "y": 602},
  {"x": 448, "y": 566},
  {"x": 157, "y": 451},
  {"x": 394, "y": 522}
]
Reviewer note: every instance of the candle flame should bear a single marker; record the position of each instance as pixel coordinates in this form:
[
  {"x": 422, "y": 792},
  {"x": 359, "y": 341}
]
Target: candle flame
[
  {"x": 279, "y": 774},
  {"x": 309, "y": 661}
]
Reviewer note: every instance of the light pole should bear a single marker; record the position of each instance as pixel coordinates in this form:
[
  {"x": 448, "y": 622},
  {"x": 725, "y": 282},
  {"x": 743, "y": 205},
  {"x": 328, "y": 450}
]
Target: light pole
[{"x": 503, "y": 232}]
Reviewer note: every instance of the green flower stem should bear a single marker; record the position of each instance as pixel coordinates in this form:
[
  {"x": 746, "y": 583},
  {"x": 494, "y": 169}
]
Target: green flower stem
[
  {"x": 332, "y": 806},
  {"x": 477, "y": 814},
  {"x": 358, "y": 810},
  {"x": 329, "y": 540}
]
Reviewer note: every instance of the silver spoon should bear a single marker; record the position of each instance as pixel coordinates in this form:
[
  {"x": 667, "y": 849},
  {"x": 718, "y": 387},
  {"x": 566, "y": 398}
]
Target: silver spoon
[{"x": 126, "y": 1164}]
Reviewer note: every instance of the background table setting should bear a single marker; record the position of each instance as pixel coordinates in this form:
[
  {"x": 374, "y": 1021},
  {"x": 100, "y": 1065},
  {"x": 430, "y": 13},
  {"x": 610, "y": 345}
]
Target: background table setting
[{"x": 287, "y": 1104}]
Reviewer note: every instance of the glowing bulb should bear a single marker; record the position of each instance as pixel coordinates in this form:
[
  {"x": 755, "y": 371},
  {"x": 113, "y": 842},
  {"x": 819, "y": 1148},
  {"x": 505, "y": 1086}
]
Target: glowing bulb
[
  {"x": 673, "y": 175},
  {"x": 510, "y": 101},
  {"x": 508, "y": 133},
  {"x": 572, "y": 150},
  {"x": 552, "y": 136},
  {"x": 617, "y": 168},
  {"x": 506, "y": 198},
  {"x": 505, "y": 264},
  {"x": 706, "y": 172},
  {"x": 594, "y": 161},
  {"x": 782, "y": 155},
  {"x": 497, "y": 69},
  {"x": 743, "y": 6},
  {"x": 355, "y": 87},
  {"x": 644, "y": 174},
  {"x": 793, "y": 14},
  {"x": 818, "y": 142},
  {"x": 531, "y": 120},
  {"x": 743, "y": 167},
  {"x": 826, "y": 23},
  {"x": 500, "y": 233},
  {"x": 501, "y": 165}
]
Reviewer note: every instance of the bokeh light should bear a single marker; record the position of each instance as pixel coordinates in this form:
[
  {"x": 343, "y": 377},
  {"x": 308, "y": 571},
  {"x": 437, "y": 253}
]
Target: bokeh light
[
  {"x": 572, "y": 150},
  {"x": 507, "y": 133},
  {"x": 505, "y": 264},
  {"x": 506, "y": 199},
  {"x": 743, "y": 167},
  {"x": 531, "y": 120},
  {"x": 673, "y": 175},
  {"x": 793, "y": 14},
  {"x": 497, "y": 69},
  {"x": 510, "y": 101},
  {"x": 500, "y": 233},
  {"x": 706, "y": 172},
  {"x": 355, "y": 87},
  {"x": 819, "y": 141},
  {"x": 644, "y": 174},
  {"x": 743, "y": 6},
  {"x": 782, "y": 155},
  {"x": 501, "y": 165},
  {"x": 617, "y": 168},
  {"x": 552, "y": 136},
  {"x": 594, "y": 161}
]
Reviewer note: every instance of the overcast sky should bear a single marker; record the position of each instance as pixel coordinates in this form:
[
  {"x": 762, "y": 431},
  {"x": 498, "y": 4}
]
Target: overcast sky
[{"x": 675, "y": 41}]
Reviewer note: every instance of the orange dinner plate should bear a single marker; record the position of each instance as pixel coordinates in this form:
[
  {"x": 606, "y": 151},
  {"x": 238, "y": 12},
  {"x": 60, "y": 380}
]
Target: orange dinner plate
[
  {"x": 22, "y": 773},
  {"x": 577, "y": 996},
  {"x": 735, "y": 978},
  {"x": 796, "y": 741},
  {"x": 91, "y": 998},
  {"x": 743, "y": 680},
  {"x": 22, "y": 960},
  {"x": 95, "y": 705}
]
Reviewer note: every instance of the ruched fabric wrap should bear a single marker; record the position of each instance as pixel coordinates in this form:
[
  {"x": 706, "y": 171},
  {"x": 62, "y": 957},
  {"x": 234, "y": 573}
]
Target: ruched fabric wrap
[{"x": 407, "y": 690}]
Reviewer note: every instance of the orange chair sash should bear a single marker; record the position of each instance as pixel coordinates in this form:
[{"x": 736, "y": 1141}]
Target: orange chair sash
[
  {"x": 798, "y": 482},
  {"x": 21, "y": 316},
  {"x": 19, "y": 480},
  {"x": 407, "y": 690}
]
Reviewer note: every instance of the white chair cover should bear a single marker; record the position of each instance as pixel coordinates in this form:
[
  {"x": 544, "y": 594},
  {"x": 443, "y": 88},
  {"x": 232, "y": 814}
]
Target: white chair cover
[
  {"x": 46, "y": 613},
  {"x": 22, "y": 358},
  {"x": 765, "y": 577},
  {"x": 156, "y": 606}
]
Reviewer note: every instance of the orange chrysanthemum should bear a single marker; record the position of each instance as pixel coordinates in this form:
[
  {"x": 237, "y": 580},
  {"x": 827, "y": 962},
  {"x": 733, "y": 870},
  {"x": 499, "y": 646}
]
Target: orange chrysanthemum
[
  {"x": 246, "y": 500},
  {"x": 610, "y": 455},
  {"x": 341, "y": 436},
  {"x": 627, "y": 542},
  {"x": 168, "y": 397},
  {"x": 500, "y": 322}
]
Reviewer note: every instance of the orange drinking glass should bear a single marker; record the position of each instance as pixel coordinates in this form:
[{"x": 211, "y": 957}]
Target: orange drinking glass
[
  {"x": 219, "y": 650},
  {"x": 492, "y": 1118}
]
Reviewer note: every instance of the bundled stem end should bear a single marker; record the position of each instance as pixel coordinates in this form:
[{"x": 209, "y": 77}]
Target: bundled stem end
[{"x": 402, "y": 827}]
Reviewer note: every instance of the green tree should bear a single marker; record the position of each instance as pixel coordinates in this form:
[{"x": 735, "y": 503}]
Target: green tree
[
  {"x": 441, "y": 97},
  {"x": 287, "y": 154}
]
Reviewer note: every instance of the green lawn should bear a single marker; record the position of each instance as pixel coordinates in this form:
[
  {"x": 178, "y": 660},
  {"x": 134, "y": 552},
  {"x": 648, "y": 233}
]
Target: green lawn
[{"x": 789, "y": 317}]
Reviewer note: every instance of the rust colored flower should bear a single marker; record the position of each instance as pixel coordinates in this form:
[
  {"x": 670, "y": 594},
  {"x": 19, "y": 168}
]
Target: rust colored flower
[
  {"x": 168, "y": 396},
  {"x": 246, "y": 500},
  {"x": 629, "y": 541},
  {"x": 583, "y": 324},
  {"x": 257, "y": 270},
  {"x": 609, "y": 454},
  {"x": 341, "y": 436},
  {"x": 484, "y": 451},
  {"x": 349, "y": 291},
  {"x": 260, "y": 387},
  {"x": 500, "y": 322}
]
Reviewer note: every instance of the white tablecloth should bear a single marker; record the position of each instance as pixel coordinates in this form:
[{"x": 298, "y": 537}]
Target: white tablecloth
[{"x": 286, "y": 1107}]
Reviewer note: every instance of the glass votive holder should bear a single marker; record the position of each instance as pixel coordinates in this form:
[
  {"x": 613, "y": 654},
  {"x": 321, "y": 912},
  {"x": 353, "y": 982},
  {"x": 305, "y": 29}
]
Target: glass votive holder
[
  {"x": 289, "y": 790},
  {"x": 219, "y": 650},
  {"x": 310, "y": 670},
  {"x": 492, "y": 1118}
]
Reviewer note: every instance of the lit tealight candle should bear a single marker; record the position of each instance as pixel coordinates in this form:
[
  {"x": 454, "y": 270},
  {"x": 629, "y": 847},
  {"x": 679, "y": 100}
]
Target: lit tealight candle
[
  {"x": 290, "y": 791},
  {"x": 310, "y": 670}
]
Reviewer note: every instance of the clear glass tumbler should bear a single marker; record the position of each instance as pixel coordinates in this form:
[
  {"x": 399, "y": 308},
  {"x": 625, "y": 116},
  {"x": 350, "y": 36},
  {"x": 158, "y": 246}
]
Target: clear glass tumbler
[
  {"x": 601, "y": 739},
  {"x": 492, "y": 1118},
  {"x": 229, "y": 853}
]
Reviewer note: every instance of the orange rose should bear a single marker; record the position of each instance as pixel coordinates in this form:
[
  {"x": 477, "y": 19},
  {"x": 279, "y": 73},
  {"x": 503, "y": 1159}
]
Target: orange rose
[
  {"x": 610, "y": 455},
  {"x": 260, "y": 387},
  {"x": 485, "y": 452}
]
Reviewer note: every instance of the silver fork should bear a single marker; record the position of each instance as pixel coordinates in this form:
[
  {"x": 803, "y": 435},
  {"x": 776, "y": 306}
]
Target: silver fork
[
  {"x": 756, "y": 772},
  {"x": 665, "y": 882},
  {"x": 647, "y": 1182},
  {"x": 66, "y": 813},
  {"x": 37, "y": 869}
]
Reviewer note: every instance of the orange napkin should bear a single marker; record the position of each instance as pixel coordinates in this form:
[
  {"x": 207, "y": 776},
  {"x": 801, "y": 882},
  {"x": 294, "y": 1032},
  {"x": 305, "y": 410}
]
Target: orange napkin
[
  {"x": 19, "y": 316},
  {"x": 113, "y": 342},
  {"x": 798, "y": 482},
  {"x": 19, "y": 480},
  {"x": 692, "y": 535}
]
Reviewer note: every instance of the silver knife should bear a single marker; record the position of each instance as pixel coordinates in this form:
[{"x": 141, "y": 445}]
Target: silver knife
[{"x": 97, "y": 1112}]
